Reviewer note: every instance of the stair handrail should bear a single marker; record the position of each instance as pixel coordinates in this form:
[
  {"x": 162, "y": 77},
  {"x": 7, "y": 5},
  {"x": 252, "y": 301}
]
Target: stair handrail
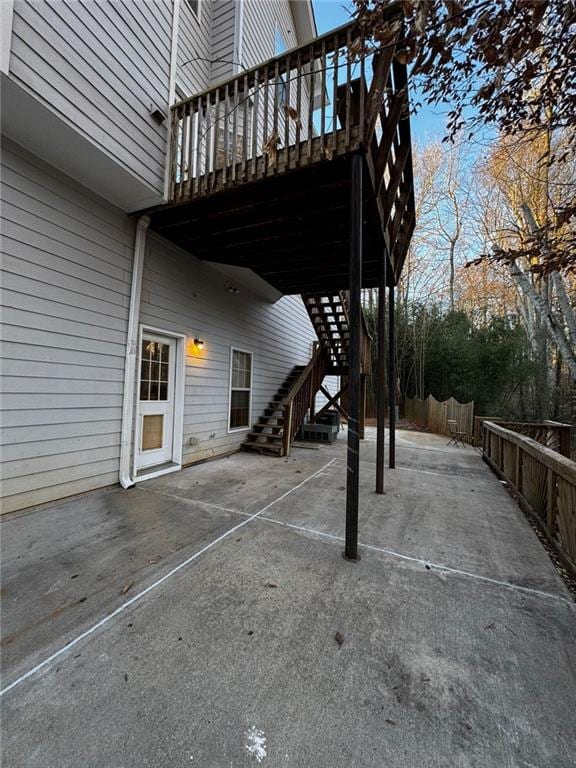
[{"x": 306, "y": 385}]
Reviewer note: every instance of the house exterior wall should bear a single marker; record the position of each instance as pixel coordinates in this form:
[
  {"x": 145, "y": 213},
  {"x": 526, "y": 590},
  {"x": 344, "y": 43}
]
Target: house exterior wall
[
  {"x": 103, "y": 66},
  {"x": 225, "y": 52},
  {"x": 100, "y": 66},
  {"x": 66, "y": 272},
  {"x": 96, "y": 69},
  {"x": 260, "y": 23},
  {"x": 195, "y": 49},
  {"x": 181, "y": 294},
  {"x": 66, "y": 268}
]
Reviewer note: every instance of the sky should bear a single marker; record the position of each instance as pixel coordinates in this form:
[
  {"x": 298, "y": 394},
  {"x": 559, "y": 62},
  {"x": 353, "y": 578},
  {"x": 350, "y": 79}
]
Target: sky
[{"x": 428, "y": 123}]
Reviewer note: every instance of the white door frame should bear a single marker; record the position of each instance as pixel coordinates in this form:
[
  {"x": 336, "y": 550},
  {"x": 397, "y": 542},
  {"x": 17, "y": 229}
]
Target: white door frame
[{"x": 178, "y": 423}]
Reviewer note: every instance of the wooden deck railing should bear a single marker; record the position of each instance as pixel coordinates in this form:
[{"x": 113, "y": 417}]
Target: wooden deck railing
[
  {"x": 552, "y": 434},
  {"x": 300, "y": 398},
  {"x": 309, "y": 104},
  {"x": 544, "y": 481}
]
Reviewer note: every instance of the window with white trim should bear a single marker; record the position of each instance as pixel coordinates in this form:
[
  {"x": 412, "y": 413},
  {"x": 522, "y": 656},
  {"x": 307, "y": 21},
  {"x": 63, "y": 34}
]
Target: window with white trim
[{"x": 240, "y": 389}]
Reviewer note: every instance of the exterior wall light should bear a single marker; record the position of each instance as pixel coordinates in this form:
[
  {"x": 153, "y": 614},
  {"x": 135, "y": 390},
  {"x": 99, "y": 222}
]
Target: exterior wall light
[{"x": 199, "y": 343}]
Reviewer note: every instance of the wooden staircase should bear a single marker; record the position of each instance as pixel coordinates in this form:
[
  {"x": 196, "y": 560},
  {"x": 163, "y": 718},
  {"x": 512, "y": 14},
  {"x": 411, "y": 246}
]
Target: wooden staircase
[
  {"x": 266, "y": 435},
  {"x": 329, "y": 317},
  {"x": 275, "y": 430}
]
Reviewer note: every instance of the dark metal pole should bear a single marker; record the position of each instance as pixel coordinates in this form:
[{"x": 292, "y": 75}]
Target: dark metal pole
[
  {"x": 380, "y": 389},
  {"x": 355, "y": 318},
  {"x": 391, "y": 378}
]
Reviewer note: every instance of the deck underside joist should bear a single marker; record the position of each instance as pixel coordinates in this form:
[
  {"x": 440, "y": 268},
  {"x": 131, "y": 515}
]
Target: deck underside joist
[{"x": 292, "y": 230}]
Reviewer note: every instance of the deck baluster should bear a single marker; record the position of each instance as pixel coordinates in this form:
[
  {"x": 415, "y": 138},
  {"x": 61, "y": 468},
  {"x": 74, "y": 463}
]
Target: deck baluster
[
  {"x": 255, "y": 123},
  {"x": 265, "y": 134},
  {"x": 298, "y": 104}
]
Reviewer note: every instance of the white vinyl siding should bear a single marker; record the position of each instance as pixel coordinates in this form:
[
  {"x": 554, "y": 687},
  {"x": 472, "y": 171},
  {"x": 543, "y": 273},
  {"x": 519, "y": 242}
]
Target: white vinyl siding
[
  {"x": 184, "y": 295},
  {"x": 223, "y": 52},
  {"x": 262, "y": 21},
  {"x": 194, "y": 49},
  {"x": 66, "y": 269},
  {"x": 101, "y": 66},
  {"x": 67, "y": 266}
]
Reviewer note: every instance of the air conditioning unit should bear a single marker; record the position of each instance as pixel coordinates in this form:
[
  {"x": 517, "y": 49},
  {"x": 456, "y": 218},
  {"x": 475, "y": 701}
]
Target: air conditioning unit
[
  {"x": 318, "y": 433},
  {"x": 331, "y": 417}
]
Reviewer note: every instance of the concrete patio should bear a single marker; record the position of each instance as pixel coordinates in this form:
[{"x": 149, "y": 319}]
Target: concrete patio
[{"x": 207, "y": 618}]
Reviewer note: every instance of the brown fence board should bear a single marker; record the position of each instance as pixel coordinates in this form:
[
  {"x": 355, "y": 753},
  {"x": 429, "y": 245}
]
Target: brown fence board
[{"x": 434, "y": 415}]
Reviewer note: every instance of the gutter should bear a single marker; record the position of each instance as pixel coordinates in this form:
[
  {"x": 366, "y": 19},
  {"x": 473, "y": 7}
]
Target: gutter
[{"x": 125, "y": 477}]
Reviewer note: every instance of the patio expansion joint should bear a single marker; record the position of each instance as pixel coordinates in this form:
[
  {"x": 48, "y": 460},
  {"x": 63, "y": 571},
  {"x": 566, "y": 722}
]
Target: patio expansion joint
[
  {"x": 428, "y": 564},
  {"x": 124, "y": 606}
]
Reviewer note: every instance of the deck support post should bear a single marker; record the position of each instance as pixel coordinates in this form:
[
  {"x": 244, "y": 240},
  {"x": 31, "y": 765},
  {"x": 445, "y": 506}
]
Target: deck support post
[
  {"x": 380, "y": 389},
  {"x": 354, "y": 383},
  {"x": 391, "y": 378},
  {"x": 362, "y": 416}
]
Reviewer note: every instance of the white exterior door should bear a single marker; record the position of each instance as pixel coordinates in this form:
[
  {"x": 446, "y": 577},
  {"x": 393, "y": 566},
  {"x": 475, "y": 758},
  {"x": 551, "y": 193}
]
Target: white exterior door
[{"x": 156, "y": 395}]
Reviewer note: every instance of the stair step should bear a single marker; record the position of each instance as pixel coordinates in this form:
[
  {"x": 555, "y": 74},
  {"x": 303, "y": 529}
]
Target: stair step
[
  {"x": 266, "y": 435},
  {"x": 276, "y": 450},
  {"x": 261, "y": 427}
]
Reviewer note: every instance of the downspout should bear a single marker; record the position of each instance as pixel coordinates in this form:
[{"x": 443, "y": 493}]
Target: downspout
[
  {"x": 126, "y": 480},
  {"x": 171, "y": 88}
]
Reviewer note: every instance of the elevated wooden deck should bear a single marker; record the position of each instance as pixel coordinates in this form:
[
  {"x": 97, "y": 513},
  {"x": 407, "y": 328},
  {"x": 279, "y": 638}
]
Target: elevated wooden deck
[{"x": 260, "y": 166}]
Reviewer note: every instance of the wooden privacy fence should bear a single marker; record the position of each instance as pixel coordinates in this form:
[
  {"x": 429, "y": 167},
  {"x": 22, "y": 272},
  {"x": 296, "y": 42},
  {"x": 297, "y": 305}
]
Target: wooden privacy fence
[
  {"x": 544, "y": 481},
  {"x": 435, "y": 415},
  {"x": 552, "y": 434}
]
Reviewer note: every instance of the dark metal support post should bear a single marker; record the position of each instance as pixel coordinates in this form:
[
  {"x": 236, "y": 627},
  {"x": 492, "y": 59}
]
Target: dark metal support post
[
  {"x": 362, "y": 415},
  {"x": 391, "y": 378},
  {"x": 380, "y": 390},
  {"x": 354, "y": 395}
]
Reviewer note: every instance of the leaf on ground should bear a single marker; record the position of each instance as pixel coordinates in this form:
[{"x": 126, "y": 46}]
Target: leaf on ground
[
  {"x": 127, "y": 587},
  {"x": 339, "y": 638},
  {"x": 270, "y": 585}
]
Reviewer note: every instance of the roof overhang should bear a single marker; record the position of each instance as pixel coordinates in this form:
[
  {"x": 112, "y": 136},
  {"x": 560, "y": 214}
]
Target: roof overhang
[{"x": 304, "y": 21}]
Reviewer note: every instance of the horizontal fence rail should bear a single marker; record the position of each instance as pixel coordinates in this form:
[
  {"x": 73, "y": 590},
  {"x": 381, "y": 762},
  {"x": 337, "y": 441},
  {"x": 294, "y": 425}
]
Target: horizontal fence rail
[
  {"x": 544, "y": 481},
  {"x": 434, "y": 415},
  {"x": 552, "y": 434}
]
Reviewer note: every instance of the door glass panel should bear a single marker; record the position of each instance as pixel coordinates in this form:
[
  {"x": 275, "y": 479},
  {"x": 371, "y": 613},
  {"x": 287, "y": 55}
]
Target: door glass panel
[
  {"x": 152, "y": 432},
  {"x": 154, "y": 370}
]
